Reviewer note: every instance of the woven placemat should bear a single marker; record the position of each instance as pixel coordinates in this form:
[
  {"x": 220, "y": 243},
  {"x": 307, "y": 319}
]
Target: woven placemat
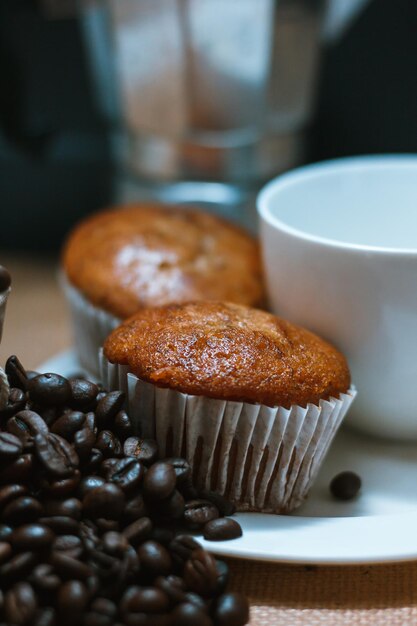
[{"x": 305, "y": 596}]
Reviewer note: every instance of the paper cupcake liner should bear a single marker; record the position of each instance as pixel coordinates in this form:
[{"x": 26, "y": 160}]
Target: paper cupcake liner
[
  {"x": 261, "y": 458},
  {"x": 90, "y": 324}
]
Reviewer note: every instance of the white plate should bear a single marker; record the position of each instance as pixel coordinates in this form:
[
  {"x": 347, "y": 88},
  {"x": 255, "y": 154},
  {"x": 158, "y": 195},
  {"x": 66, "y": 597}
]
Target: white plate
[{"x": 378, "y": 527}]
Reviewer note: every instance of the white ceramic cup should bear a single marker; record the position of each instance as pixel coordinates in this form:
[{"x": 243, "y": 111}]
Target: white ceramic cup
[{"x": 339, "y": 243}]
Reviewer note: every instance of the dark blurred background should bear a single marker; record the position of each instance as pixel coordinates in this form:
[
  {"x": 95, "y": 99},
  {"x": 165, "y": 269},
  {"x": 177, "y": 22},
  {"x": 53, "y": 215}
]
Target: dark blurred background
[{"x": 55, "y": 160}]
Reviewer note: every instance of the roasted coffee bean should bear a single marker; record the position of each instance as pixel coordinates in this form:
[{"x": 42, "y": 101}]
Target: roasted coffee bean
[
  {"x": 22, "y": 510},
  {"x": 84, "y": 440},
  {"x": 154, "y": 558},
  {"x": 198, "y": 512},
  {"x": 32, "y": 537},
  {"x": 138, "y": 531},
  {"x": 115, "y": 543},
  {"x": 72, "y": 601},
  {"x": 69, "y": 568},
  {"x": 224, "y": 506},
  {"x": 88, "y": 483},
  {"x": 70, "y": 545},
  {"x": 16, "y": 373},
  {"x": 135, "y": 508},
  {"x": 11, "y": 492},
  {"x": 16, "y": 402},
  {"x": 26, "y": 425},
  {"x": 181, "y": 548},
  {"x": 62, "y": 488},
  {"x": 162, "y": 535},
  {"x": 102, "y": 613},
  {"x": 182, "y": 469},
  {"x": 126, "y": 473},
  {"x": 5, "y": 532},
  {"x": 5, "y": 279},
  {"x": 345, "y": 486},
  {"x": 68, "y": 424},
  {"x": 106, "y": 501},
  {"x": 93, "y": 463},
  {"x": 172, "y": 508},
  {"x": 108, "y": 444},
  {"x": 61, "y": 524},
  {"x": 19, "y": 471},
  {"x": 43, "y": 578},
  {"x": 222, "y": 576},
  {"x": 222, "y": 529},
  {"x": 91, "y": 422},
  {"x": 144, "y": 450},
  {"x": 49, "y": 389},
  {"x": 160, "y": 481},
  {"x": 10, "y": 446},
  {"x": 83, "y": 394},
  {"x": 5, "y": 551},
  {"x": 108, "y": 407},
  {"x": 122, "y": 426},
  {"x": 45, "y": 617},
  {"x": 48, "y": 413},
  {"x": 231, "y": 609},
  {"x": 71, "y": 507},
  {"x": 173, "y": 586},
  {"x": 200, "y": 573},
  {"x": 150, "y": 600},
  {"x": 187, "y": 614},
  {"x": 20, "y": 604},
  {"x": 18, "y": 567},
  {"x": 56, "y": 455}
]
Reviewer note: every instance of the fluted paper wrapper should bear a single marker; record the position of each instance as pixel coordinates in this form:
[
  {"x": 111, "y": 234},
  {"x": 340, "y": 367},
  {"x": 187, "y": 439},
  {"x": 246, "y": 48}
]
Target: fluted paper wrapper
[
  {"x": 261, "y": 458},
  {"x": 90, "y": 324}
]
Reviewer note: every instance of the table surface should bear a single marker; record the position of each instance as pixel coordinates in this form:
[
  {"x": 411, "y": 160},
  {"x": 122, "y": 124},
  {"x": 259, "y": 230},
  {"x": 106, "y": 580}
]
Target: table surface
[{"x": 37, "y": 326}]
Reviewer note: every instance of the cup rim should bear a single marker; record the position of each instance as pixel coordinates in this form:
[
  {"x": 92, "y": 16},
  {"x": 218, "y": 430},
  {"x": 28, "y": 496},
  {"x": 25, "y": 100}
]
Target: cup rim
[{"x": 314, "y": 170}]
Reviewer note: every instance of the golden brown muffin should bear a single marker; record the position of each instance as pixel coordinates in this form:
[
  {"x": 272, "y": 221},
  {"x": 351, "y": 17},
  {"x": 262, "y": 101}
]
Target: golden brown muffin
[
  {"x": 144, "y": 255},
  {"x": 228, "y": 351}
]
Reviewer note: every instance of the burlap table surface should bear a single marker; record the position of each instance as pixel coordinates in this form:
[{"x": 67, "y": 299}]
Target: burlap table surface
[{"x": 37, "y": 327}]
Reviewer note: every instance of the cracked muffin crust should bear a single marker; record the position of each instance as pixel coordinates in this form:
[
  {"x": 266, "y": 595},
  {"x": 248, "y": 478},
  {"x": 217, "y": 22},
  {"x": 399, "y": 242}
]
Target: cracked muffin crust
[
  {"x": 230, "y": 352},
  {"x": 136, "y": 256}
]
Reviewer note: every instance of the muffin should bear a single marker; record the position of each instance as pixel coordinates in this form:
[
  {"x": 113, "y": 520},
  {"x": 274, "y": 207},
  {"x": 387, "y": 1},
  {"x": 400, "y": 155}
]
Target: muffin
[
  {"x": 252, "y": 401},
  {"x": 124, "y": 259}
]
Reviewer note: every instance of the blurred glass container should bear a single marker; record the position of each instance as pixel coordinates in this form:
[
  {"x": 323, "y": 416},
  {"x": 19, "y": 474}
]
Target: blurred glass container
[{"x": 207, "y": 98}]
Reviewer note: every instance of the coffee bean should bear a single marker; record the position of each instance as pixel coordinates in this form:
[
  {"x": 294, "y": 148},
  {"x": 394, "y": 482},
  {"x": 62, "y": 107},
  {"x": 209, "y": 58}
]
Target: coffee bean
[
  {"x": 83, "y": 394},
  {"x": 163, "y": 535},
  {"x": 20, "y": 604},
  {"x": 49, "y": 389},
  {"x": 160, "y": 481},
  {"x": 224, "y": 506},
  {"x": 62, "y": 488},
  {"x": 126, "y": 473},
  {"x": 108, "y": 406},
  {"x": 56, "y": 455},
  {"x": 19, "y": 471},
  {"x": 172, "y": 508},
  {"x": 71, "y": 507},
  {"x": 15, "y": 402},
  {"x": 154, "y": 558},
  {"x": 345, "y": 486},
  {"x": 182, "y": 469},
  {"x": 102, "y": 613},
  {"x": 11, "y": 492},
  {"x": 94, "y": 462},
  {"x": 16, "y": 373},
  {"x": 105, "y": 501},
  {"x": 187, "y": 614},
  {"x": 231, "y": 609},
  {"x": 5, "y": 532},
  {"x": 71, "y": 545},
  {"x": 198, "y": 512},
  {"x": 26, "y": 425},
  {"x": 108, "y": 444},
  {"x": 200, "y": 573},
  {"x": 45, "y": 617},
  {"x": 69, "y": 568},
  {"x": 5, "y": 551},
  {"x": 91, "y": 422},
  {"x": 135, "y": 508},
  {"x": 84, "y": 440},
  {"x": 44, "y": 579},
  {"x": 222, "y": 576},
  {"x": 18, "y": 567},
  {"x": 150, "y": 600},
  {"x": 61, "y": 524},
  {"x": 173, "y": 586},
  {"x": 5, "y": 279},
  {"x": 88, "y": 483},
  {"x": 115, "y": 543},
  {"x": 72, "y": 601},
  {"x": 222, "y": 529},
  {"x": 138, "y": 531},
  {"x": 22, "y": 510},
  {"x": 181, "y": 548},
  {"x": 122, "y": 426},
  {"x": 32, "y": 537},
  {"x": 144, "y": 450},
  {"x": 68, "y": 424},
  {"x": 10, "y": 446}
]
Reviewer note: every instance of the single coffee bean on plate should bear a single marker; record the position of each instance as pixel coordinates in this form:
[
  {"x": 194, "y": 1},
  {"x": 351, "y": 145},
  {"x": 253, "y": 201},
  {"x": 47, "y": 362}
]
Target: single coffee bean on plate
[
  {"x": 160, "y": 481},
  {"x": 345, "y": 486},
  {"x": 231, "y": 609},
  {"x": 144, "y": 450},
  {"x": 198, "y": 512},
  {"x": 222, "y": 529},
  {"x": 49, "y": 389}
]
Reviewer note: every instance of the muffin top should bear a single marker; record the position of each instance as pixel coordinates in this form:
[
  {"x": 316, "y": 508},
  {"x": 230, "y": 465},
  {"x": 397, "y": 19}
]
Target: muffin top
[
  {"x": 136, "y": 256},
  {"x": 228, "y": 351}
]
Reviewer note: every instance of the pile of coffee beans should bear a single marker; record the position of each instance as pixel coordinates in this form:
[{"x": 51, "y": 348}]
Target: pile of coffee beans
[{"x": 89, "y": 517}]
